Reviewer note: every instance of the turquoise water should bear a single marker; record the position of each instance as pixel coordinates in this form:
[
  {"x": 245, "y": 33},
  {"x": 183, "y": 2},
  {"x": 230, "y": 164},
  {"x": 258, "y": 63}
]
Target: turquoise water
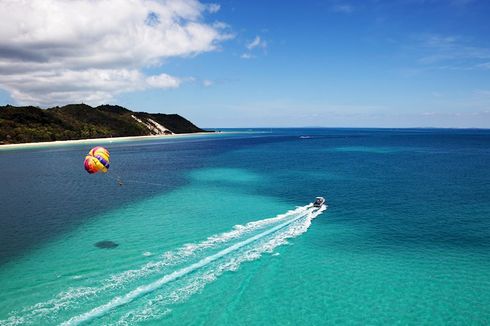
[{"x": 217, "y": 230}]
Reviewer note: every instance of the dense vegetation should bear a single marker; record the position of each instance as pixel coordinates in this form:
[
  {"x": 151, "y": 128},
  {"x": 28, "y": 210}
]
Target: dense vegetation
[{"x": 81, "y": 121}]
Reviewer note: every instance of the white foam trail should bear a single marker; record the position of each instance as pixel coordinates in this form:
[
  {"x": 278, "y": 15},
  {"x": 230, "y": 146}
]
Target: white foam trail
[
  {"x": 145, "y": 289},
  {"x": 171, "y": 258},
  {"x": 156, "y": 308}
]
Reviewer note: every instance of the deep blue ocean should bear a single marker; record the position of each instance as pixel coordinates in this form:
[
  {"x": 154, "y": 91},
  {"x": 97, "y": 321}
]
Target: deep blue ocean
[{"x": 218, "y": 230}]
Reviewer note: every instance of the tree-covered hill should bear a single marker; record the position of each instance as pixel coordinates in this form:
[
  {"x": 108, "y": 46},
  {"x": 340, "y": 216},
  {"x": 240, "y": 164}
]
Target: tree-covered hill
[{"x": 80, "y": 121}]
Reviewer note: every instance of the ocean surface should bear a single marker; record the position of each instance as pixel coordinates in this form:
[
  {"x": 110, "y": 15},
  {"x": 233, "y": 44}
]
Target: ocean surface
[{"x": 217, "y": 230}]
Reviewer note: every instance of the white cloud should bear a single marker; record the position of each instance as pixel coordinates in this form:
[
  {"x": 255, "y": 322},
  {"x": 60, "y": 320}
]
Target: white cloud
[
  {"x": 163, "y": 81},
  {"x": 214, "y": 7},
  {"x": 207, "y": 82},
  {"x": 59, "y": 51},
  {"x": 247, "y": 56},
  {"x": 256, "y": 43},
  {"x": 90, "y": 85}
]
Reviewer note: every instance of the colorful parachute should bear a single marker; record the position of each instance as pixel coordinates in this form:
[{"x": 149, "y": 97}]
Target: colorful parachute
[{"x": 97, "y": 160}]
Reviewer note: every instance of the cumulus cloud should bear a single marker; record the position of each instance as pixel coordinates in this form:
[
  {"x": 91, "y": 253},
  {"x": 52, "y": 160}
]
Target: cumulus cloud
[
  {"x": 59, "y": 51},
  {"x": 163, "y": 81}
]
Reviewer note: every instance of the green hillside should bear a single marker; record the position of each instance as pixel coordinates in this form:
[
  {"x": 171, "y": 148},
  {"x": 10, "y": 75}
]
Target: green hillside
[{"x": 80, "y": 121}]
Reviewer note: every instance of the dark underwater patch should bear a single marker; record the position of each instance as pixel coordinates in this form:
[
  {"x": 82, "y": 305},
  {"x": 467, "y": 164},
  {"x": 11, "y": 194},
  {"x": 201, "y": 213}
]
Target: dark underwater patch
[{"x": 106, "y": 244}]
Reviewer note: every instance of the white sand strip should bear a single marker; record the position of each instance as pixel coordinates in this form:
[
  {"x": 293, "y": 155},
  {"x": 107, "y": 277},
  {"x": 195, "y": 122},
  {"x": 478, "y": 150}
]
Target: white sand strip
[{"x": 101, "y": 140}]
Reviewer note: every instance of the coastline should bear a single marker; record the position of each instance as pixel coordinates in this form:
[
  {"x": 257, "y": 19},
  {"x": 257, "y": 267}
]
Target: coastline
[{"x": 106, "y": 140}]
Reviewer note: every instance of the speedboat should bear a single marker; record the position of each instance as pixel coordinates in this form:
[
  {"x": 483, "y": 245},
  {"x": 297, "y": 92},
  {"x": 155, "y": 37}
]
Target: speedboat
[{"x": 319, "y": 201}]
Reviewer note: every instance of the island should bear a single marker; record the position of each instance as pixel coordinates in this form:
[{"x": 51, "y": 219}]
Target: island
[{"x": 29, "y": 124}]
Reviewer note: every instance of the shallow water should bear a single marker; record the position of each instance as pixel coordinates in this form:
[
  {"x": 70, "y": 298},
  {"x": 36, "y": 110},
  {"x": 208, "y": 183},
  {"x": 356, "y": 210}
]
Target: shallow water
[{"x": 216, "y": 230}]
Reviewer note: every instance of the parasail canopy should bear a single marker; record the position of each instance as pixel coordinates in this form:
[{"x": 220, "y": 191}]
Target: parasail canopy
[{"x": 97, "y": 160}]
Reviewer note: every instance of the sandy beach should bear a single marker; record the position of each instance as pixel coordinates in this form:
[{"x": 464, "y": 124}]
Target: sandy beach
[{"x": 107, "y": 140}]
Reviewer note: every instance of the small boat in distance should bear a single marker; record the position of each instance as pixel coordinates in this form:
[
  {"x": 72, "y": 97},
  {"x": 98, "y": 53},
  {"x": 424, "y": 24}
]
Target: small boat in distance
[{"x": 319, "y": 201}]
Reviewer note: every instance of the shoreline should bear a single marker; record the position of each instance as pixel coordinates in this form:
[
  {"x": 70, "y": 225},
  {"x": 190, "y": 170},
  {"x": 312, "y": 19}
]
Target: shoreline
[{"x": 106, "y": 140}]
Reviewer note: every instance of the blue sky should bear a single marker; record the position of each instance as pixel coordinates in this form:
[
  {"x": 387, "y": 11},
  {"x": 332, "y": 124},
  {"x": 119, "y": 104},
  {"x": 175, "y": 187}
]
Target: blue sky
[{"x": 410, "y": 63}]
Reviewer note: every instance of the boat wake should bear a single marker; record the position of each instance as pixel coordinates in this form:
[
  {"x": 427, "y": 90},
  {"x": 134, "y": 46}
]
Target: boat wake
[{"x": 150, "y": 290}]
